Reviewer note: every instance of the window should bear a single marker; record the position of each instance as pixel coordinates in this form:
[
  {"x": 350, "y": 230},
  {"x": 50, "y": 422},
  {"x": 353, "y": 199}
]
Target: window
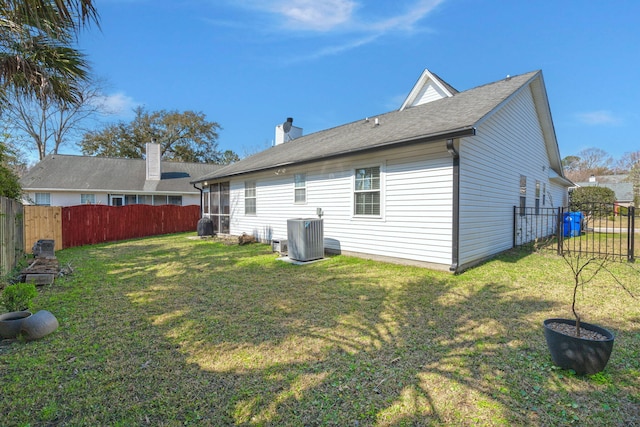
[
  {"x": 367, "y": 191},
  {"x": 43, "y": 199},
  {"x": 537, "y": 197},
  {"x": 523, "y": 194},
  {"x": 88, "y": 199},
  {"x": 159, "y": 200},
  {"x": 250, "y": 198},
  {"x": 130, "y": 199},
  {"x": 300, "y": 188},
  {"x": 174, "y": 200},
  {"x": 145, "y": 199},
  {"x": 206, "y": 200},
  {"x": 544, "y": 194},
  {"x": 219, "y": 206}
]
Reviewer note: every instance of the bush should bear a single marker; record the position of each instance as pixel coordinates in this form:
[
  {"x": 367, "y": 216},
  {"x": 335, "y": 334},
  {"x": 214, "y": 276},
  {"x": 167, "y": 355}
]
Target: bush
[
  {"x": 19, "y": 296},
  {"x": 591, "y": 195}
]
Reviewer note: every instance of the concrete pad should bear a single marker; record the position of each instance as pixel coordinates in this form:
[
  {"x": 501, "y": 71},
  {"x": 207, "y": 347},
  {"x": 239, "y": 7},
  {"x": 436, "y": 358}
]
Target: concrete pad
[{"x": 296, "y": 262}]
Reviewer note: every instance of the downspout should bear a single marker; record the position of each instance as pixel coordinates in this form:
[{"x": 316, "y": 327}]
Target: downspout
[
  {"x": 200, "y": 190},
  {"x": 455, "y": 217}
]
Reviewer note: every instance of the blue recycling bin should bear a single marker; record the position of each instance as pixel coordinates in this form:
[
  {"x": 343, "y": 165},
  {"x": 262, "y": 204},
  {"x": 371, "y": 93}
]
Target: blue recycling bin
[{"x": 572, "y": 224}]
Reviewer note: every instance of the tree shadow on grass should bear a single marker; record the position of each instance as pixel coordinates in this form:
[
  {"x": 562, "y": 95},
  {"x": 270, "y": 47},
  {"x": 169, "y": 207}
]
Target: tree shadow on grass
[{"x": 189, "y": 334}]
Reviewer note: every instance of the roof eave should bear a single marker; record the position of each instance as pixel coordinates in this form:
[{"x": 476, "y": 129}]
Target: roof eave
[{"x": 462, "y": 132}]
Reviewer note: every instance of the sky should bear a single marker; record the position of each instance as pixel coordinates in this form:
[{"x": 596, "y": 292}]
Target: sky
[{"x": 250, "y": 64}]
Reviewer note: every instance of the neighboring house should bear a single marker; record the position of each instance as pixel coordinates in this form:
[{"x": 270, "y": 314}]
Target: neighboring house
[
  {"x": 618, "y": 183},
  {"x": 65, "y": 180},
  {"x": 433, "y": 183}
]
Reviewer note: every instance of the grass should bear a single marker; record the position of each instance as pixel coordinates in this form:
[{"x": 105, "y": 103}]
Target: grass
[{"x": 174, "y": 331}]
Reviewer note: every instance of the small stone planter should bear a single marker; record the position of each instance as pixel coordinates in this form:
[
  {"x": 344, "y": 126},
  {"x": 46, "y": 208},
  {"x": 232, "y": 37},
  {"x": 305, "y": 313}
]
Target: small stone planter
[{"x": 11, "y": 323}]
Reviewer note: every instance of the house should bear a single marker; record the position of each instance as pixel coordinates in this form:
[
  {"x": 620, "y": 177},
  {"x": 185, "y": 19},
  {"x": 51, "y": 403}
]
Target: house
[
  {"x": 620, "y": 185},
  {"x": 433, "y": 183},
  {"x": 67, "y": 180}
]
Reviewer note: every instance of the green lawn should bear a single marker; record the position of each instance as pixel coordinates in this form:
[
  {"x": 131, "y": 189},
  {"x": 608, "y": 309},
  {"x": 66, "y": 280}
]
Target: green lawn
[{"x": 176, "y": 331}]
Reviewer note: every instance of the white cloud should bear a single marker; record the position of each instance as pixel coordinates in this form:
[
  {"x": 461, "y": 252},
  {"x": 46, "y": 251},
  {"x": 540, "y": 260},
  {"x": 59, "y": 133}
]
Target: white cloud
[
  {"x": 306, "y": 15},
  {"x": 600, "y": 117},
  {"x": 117, "y": 104},
  {"x": 316, "y": 15},
  {"x": 364, "y": 22},
  {"x": 406, "y": 21}
]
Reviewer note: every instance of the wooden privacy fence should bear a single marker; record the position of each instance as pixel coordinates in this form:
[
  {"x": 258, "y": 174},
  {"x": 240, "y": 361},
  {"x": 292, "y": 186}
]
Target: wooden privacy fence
[
  {"x": 42, "y": 222},
  {"x": 11, "y": 236},
  {"x": 90, "y": 224}
]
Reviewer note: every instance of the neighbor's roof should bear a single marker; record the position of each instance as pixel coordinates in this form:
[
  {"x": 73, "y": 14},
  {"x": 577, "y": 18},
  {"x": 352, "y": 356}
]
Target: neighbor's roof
[
  {"x": 622, "y": 189},
  {"x": 84, "y": 173},
  {"x": 449, "y": 117}
]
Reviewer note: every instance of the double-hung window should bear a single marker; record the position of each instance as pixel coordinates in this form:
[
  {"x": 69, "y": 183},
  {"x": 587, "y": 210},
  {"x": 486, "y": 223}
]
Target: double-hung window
[
  {"x": 300, "y": 188},
  {"x": 366, "y": 198},
  {"x": 249, "y": 197},
  {"x": 523, "y": 194}
]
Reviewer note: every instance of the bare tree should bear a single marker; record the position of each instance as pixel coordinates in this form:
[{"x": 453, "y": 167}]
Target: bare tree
[
  {"x": 46, "y": 124},
  {"x": 591, "y": 161},
  {"x": 628, "y": 161}
]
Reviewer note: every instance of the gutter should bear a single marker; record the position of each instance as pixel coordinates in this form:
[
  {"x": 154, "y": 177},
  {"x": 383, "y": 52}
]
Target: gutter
[
  {"x": 200, "y": 190},
  {"x": 455, "y": 214}
]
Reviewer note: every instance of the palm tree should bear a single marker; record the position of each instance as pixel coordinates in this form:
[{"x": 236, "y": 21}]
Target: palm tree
[{"x": 36, "y": 57}]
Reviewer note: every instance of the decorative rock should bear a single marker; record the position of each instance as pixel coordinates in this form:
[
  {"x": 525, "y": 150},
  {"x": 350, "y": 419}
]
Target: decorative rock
[
  {"x": 11, "y": 323},
  {"x": 39, "y": 325}
]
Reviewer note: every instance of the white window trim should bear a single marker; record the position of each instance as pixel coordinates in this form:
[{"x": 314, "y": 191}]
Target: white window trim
[
  {"x": 383, "y": 182},
  {"x": 300, "y": 188},
  {"x": 255, "y": 197}
]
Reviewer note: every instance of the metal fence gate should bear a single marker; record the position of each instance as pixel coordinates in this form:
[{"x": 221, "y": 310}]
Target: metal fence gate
[{"x": 598, "y": 229}]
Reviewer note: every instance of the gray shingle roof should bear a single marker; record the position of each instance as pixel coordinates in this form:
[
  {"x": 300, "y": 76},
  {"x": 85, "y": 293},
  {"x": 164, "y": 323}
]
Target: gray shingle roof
[
  {"x": 434, "y": 120},
  {"x": 67, "y": 172},
  {"x": 622, "y": 188}
]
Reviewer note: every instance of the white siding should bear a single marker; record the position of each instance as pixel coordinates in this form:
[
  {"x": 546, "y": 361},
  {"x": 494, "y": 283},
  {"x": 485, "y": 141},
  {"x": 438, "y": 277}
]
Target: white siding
[
  {"x": 430, "y": 92},
  {"x": 416, "y": 194},
  {"x": 508, "y": 144}
]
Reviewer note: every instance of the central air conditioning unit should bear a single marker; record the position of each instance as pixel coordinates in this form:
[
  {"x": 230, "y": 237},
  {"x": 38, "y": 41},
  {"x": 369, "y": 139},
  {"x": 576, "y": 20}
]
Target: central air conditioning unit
[{"x": 305, "y": 238}]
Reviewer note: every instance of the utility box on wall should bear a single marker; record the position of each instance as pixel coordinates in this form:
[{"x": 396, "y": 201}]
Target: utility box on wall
[{"x": 305, "y": 238}]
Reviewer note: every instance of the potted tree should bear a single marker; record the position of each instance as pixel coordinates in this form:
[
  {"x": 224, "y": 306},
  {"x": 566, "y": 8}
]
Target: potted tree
[
  {"x": 574, "y": 344},
  {"x": 18, "y": 300}
]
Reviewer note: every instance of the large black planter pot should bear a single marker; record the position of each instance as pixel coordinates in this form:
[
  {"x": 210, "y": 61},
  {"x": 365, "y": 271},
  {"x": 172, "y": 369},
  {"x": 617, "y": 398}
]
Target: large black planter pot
[
  {"x": 583, "y": 355},
  {"x": 11, "y": 323}
]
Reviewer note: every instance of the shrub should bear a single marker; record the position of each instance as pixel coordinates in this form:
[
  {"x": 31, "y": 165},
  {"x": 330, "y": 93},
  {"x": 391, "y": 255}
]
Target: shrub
[
  {"x": 19, "y": 296},
  {"x": 590, "y": 195}
]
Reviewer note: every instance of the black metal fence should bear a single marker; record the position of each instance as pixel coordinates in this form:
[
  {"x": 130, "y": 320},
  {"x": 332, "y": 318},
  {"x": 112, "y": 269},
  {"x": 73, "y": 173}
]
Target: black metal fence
[{"x": 598, "y": 229}]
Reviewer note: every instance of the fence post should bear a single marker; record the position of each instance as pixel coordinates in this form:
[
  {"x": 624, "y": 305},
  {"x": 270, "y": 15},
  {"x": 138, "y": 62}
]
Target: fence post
[
  {"x": 559, "y": 230},
  {"x": 631, "y": 234},
  {"x": 514, "y": 226}
]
